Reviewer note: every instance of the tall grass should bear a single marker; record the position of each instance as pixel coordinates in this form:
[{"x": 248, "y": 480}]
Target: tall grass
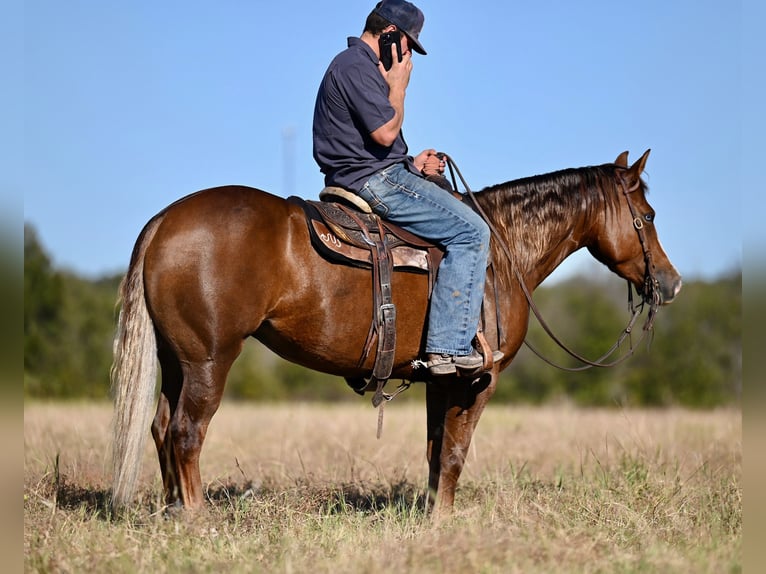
[{"x": 300, "y": 488}]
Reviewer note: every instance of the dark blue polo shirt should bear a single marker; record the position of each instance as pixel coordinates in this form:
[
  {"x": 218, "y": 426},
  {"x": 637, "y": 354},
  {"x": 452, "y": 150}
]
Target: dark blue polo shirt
[{"x": 352, "y": 103}]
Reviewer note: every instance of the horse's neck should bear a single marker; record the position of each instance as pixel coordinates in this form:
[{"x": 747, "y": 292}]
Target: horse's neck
[
  {"x": 540, "y": 258},
  {"x": 550, "y": 261}
]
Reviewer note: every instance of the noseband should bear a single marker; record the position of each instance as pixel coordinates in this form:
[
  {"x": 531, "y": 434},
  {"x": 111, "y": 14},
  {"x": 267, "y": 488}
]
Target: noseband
[{"x": 650, "y": 293}]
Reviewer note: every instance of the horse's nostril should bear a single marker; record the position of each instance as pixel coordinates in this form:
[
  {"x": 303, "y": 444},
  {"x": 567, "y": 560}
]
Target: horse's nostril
[{"x": 671, "y": 291}]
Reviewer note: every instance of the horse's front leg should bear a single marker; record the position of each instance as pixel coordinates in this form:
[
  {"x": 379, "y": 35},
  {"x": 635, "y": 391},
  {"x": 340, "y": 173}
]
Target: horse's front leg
[
  {"x": 436, "y": 409},
  {"x": 453, "y": 411}
]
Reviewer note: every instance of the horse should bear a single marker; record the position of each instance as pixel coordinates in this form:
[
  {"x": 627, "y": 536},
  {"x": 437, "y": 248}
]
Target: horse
[{"x": 228, "y": 263}]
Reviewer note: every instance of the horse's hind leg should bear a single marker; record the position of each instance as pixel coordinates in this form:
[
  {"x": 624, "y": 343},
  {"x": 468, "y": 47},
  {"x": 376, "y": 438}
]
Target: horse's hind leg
[
  {"x": 172, "y": 379},
  {"x": 203, "y": 384}
]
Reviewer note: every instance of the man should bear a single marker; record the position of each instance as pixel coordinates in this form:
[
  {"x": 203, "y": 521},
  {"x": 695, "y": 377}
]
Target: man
[{"x": 359, "y": 146}]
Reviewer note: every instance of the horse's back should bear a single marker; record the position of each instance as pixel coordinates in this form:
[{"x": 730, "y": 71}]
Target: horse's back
[
  {"x": 221, "y": 224},
  {"x": 229, "y": 203}
]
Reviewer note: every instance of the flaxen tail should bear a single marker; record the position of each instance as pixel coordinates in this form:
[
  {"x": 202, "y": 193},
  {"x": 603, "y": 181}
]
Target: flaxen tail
[{"x": 133, "y": 374}]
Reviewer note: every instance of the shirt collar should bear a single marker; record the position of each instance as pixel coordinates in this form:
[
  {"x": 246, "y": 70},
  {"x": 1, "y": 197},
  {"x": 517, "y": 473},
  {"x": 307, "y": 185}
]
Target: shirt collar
[{"x": 354, "y": 42}]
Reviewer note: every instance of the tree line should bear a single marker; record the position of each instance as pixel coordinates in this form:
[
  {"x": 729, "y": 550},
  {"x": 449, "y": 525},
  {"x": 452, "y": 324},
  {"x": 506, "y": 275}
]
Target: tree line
[{"x": 693, "y": 357}]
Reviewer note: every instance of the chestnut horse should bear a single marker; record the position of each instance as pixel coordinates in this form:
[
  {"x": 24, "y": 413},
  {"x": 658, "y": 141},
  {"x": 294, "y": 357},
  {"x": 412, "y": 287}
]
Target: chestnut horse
[{"x": 233, "y": 262}]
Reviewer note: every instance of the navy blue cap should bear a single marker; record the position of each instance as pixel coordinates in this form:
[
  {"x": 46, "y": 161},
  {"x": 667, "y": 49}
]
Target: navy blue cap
[{"x": 406, "y": 17}]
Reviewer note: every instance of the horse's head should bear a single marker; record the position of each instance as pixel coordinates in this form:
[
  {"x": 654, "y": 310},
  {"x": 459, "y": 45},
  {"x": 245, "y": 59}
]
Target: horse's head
[{"x": 628, "y": 244}]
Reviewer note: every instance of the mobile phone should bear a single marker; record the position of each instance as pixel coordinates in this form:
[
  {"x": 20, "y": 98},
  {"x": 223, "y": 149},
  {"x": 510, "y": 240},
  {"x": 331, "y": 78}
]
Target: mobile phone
[{"x": 384, "y": 42}]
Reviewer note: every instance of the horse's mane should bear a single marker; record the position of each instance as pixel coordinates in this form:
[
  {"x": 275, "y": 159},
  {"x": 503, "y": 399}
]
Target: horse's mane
[{"x": 536, "y": 213}]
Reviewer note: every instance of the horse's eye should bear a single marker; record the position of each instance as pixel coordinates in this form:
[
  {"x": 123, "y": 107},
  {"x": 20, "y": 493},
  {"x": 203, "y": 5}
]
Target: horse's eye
[{"x": 649, "y": 217}]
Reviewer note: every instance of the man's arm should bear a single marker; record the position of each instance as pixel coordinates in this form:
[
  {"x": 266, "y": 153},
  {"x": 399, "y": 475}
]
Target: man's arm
[{"x": 397, "y": 79}]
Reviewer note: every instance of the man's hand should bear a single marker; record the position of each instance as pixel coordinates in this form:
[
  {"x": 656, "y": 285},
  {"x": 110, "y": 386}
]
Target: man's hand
[
  {"x": 429, "y": 163},
  {"x": 398, "y": 77}
]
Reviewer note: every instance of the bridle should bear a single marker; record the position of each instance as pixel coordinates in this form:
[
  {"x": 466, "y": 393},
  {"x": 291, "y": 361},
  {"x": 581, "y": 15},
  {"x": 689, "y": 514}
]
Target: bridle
[{"x": 650, "y": 294}]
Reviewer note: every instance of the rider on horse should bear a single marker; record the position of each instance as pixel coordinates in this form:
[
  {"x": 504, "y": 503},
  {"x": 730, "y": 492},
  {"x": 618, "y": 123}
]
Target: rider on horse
[{"x": 359, "y": 146}]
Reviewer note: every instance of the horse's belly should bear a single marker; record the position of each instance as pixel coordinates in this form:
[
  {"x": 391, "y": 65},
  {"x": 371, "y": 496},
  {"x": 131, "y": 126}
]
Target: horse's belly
[{"x": 329, "y": 328}]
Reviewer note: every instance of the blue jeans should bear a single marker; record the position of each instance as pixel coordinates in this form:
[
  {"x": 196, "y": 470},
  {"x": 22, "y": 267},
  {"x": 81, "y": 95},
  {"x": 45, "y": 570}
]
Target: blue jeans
[{"x": 425, "y": 209}]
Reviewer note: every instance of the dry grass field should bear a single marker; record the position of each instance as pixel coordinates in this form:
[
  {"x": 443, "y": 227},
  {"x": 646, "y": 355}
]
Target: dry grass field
[{"x": 305, "y": 488}]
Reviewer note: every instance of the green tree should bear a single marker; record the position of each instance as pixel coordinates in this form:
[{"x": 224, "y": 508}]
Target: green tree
[
  {"x": 584, "y": 315},
  {"x": 68, "y": 327},
  {"x": 696, "y": 357},
  {"x": 692, "y": 358},
  {"x": 43, "y": 300}
]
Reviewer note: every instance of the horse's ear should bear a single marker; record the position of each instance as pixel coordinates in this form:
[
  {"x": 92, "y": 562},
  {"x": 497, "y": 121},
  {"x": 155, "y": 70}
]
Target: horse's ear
[
  {"x": 638, "y": 167},
  {"x": 635, "y": 170},
  {"x": 622, "y": 159},
  {"x": 633, "y": 174}
]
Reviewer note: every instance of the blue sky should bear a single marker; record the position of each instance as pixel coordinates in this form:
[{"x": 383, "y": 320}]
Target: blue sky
[{"x": 128, "y": 106}]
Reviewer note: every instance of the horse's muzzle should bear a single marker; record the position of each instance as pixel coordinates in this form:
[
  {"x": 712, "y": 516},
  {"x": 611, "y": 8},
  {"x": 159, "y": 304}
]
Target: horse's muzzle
[{"x": 668, "y": 286}]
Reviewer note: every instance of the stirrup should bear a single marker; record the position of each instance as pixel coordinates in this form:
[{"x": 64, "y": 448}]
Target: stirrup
[
  {"x": 445, "y": 364},
  {"x": 441, "y": 365}
]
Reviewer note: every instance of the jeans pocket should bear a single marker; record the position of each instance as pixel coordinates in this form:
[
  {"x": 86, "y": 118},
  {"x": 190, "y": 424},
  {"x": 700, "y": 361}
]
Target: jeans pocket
[{"x": 373, "y": 199}]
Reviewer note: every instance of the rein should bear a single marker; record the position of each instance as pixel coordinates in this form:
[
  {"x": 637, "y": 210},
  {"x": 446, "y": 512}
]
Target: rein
[{"x": 650, "y": 292}]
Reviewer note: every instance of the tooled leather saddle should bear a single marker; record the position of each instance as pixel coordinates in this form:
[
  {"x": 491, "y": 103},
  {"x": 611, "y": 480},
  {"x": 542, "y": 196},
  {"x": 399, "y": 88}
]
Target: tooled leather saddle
[{"x": 344, "y": 234}]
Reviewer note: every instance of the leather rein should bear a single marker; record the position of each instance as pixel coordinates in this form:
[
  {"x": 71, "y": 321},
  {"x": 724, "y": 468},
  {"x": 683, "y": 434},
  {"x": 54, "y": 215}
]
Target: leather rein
[{"x": 650, "y": 293}]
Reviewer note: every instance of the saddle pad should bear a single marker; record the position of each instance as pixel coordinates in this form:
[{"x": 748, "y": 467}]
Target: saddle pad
[{"x": 339, "y": 249}]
